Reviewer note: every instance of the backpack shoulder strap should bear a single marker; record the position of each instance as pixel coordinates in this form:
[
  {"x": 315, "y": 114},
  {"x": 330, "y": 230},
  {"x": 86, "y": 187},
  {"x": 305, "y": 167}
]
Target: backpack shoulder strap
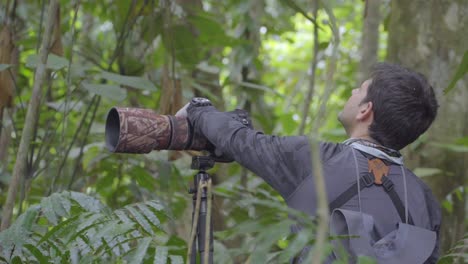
[{"x": 368, "y": 180}]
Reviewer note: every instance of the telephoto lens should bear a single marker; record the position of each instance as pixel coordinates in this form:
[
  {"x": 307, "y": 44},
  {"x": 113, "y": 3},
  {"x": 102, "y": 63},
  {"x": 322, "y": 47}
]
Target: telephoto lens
[{"x": 137, "y": 130}]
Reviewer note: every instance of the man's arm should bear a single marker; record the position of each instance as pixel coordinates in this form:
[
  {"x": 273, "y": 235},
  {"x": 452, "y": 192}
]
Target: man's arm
[{"x": 283, "y": 162}]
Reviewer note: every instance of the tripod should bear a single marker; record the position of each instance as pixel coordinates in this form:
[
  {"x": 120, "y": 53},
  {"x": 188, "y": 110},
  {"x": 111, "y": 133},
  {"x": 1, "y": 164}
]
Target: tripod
[{"x": 202, "y": 225}]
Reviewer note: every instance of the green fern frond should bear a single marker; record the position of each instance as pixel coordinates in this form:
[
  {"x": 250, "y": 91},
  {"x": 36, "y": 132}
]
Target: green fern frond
[{"x": 74, "y": 225}]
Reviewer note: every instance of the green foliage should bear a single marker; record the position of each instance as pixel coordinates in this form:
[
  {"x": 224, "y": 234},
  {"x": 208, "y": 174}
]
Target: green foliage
[
  {"x": 457, "y": 254},
  {"x": 263, "y": 222},
  {"x": 71, "y": 227},
  {"x": 460, "y": 73},
  {"x": 117, "y": 53}
]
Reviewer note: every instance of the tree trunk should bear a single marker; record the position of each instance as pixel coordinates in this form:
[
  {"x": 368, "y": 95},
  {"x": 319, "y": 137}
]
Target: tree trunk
[
  {"x": 431, "y": 36},
  {"x": 31, "y": 117},
  {"x": 369, "y": 39}
]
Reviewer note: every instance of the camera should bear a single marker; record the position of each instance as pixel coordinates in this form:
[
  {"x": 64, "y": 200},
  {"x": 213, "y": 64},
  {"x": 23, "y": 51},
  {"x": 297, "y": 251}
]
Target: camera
[{"x": 137, "y": 130}]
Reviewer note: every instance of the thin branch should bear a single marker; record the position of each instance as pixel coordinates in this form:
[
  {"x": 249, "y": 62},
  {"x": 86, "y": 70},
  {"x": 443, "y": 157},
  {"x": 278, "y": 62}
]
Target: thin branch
[
  {"x": 39, "y": 32},
  {"x": 67, "y": 152},
  {"x": 313, "y": 70},
  {"x": 73, "y": 30},
  {"x": 46, "y": 144},
  {"x": 297, "y": 8},
  {"x": 83, "y": 143},
  {"x": 7, "y": 5},
  {"x": 120, "y": 44},
  {"x": 322, "y": 208},
  {"x": 31, "y": 116}
]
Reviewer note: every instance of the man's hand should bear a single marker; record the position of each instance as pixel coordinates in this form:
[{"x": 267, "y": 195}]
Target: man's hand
[{"x": 183, "y": 111}]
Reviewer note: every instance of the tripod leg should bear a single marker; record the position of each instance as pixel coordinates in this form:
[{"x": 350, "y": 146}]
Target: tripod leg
[
  {"x": 201, "y": 233},
  {"x": 193, "y": 256}
]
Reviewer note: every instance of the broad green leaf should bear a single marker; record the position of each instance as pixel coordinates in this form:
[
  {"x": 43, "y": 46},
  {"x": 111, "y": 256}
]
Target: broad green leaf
[
  {"x": 221, "y": 253},
  {"x": 58, "y": 206},
  {"x": 205, "y": 91},
  {"x": 140, "y": 252},
  {"x": 292, "y": 4},
  {"x": 54, "y": 62},
  {"x": 448, "y": 206},
  {"x": 461, "y": 71},
  {"x": 295, "y": 246},
  {"x": 425, "y": 172},
  {"x": 288, "y": 123},
  {"x": 259, "y": 87},
  {"x": 211, "y": 32},
  {"x": 462, "y": 141},
  {"x": 110, "y": 91},
  {"x": 143, "y": 177},
  {"x": 132, "y": 81},
  {"x": 48, "y": 210},
  {"x": 19, "y": 232},
  {"x": 265, "y": 239},
  {"x": 184, "y": 45},
  {"x": 160, "y": 257},
  {"x": 17, "y": 260},
  {"x": 4, "y": 66}
]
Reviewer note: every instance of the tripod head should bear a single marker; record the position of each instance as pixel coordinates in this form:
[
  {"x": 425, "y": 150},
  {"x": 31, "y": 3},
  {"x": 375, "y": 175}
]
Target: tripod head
[{"x": 202, "y": 163}]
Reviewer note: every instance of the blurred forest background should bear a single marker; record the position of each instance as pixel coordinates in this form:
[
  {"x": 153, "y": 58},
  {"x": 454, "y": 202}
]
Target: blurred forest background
[{"x": 66, "y": 199}]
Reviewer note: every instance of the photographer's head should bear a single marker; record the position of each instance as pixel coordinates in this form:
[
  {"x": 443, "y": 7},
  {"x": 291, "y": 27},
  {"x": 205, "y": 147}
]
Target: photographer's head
[{"x": 394, "y": 107}]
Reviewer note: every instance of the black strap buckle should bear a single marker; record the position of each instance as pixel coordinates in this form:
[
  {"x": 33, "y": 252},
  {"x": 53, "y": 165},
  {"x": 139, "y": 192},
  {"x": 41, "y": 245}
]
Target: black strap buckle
[
  {"x": 387, "y": 184},
  {"x": 367, "y": 179}
]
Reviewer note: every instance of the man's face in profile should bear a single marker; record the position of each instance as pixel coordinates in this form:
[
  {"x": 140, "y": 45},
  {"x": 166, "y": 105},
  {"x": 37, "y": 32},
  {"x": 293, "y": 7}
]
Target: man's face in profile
[{"x": 347, "y": 116}]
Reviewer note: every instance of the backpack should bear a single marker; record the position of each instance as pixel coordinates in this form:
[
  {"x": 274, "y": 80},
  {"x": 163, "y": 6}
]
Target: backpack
[{"x": 406, "y": 244}]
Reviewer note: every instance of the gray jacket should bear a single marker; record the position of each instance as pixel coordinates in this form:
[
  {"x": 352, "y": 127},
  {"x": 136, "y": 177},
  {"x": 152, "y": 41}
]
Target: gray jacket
[{"x": 285, "y": 164}]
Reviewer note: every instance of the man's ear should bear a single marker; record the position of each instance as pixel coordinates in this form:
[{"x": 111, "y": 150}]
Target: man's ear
[{"x": 366, "y": 111}]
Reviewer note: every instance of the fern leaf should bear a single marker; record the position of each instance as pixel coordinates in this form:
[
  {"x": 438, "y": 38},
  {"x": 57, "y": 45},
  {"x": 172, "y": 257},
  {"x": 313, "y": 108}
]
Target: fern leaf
[
  {"x": 124, "y": 218},
  {"x": 86, "y": 202},
  {"x": 152, "y": 218},
  {"x": 114, "y": 229},
  {"x": 156, "y": 205},
  {"x": 176, "y": 259},
  {"x": 159, "y": 210},
  {"x": 160, "y": 257},
  {"x": 141, "y": 250},
  {"x": 140, "y": 219},
  {"x": 37, "y": 253},
  {"x": 93, "y": 221},
  {"x": 59, "y": 228}
]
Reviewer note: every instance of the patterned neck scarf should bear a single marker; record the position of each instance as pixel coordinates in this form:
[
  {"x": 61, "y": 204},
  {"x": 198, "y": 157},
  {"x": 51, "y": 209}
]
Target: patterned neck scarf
[{"x": 375, "y": 149}]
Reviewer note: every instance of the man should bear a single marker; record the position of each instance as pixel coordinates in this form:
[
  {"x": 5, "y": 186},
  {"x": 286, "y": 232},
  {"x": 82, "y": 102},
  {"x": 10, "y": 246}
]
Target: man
[{"x": 385, "y": 114}]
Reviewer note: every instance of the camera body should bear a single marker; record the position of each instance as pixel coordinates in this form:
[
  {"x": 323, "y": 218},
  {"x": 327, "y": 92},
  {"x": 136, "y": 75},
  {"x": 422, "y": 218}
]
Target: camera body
[{"x": 137, "y": 130}]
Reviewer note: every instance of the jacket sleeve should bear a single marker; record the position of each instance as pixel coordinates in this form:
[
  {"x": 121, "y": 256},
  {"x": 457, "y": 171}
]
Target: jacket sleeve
[{"x": 283, "y": 162}]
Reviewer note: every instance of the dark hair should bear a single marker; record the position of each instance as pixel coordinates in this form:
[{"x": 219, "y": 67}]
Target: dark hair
[{"x": 404, "y": 105}]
